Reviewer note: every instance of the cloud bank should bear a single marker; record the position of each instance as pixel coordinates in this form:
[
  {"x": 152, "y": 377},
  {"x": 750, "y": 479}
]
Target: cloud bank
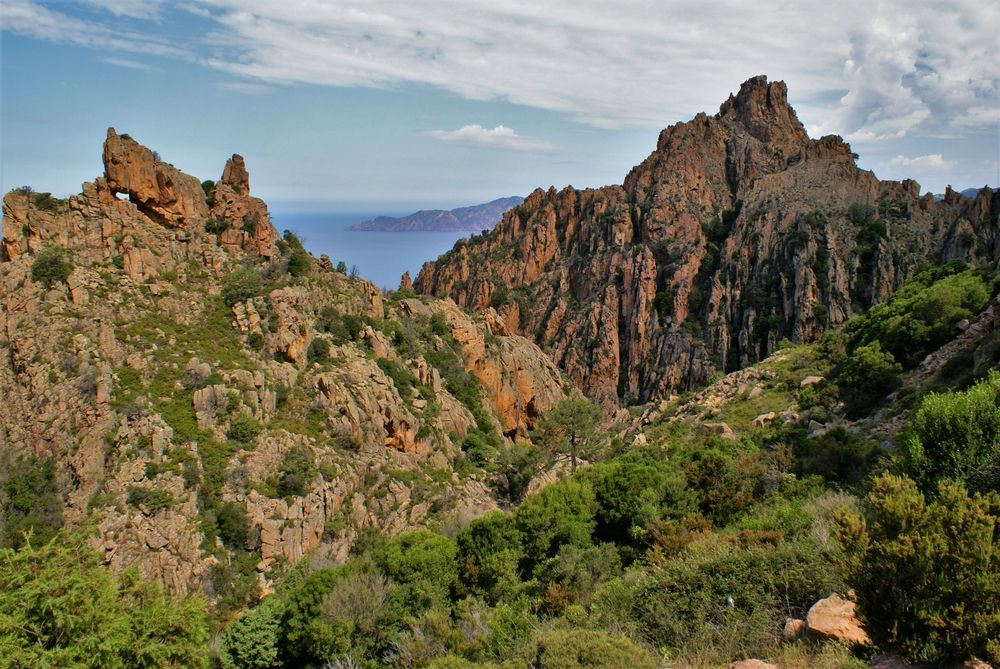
[
  {"x": 872, "y": 71},
  {"x": 500, "y": 137}
]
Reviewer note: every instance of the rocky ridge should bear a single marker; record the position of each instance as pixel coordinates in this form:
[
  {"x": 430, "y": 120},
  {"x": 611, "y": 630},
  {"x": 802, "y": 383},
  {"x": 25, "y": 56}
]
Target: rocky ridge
[
  {"x": 183, "y": 367},
  {"x": 736, "y": 232}
]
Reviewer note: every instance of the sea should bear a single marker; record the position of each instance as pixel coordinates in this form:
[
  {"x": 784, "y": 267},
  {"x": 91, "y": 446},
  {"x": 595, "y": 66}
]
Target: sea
[{"x": 381, "y": 257}]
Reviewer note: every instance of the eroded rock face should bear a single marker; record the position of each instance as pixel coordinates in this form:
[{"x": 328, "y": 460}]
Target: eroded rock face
[
  {"x": 132, "y": 374},
  {"x": 736, "y": 232},
  {"x": 246, "y": 219},
  {"x": 159, "y": 190}
]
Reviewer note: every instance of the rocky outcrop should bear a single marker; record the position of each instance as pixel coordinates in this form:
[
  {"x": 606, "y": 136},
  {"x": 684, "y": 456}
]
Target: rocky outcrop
[
  {"x": 162, "y": 405},
  {"x": 736, "y": 232},
  {"x": 244, "y": 221},
  {"x": 158, "y": 189}
]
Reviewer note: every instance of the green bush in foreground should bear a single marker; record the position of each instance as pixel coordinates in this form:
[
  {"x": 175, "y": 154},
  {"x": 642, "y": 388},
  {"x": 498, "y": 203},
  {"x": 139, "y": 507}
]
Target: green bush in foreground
[
  {"x": 60, "y": 607},
  {"x": 927, "y": 575},
  {"x": 956, "y": 436}
]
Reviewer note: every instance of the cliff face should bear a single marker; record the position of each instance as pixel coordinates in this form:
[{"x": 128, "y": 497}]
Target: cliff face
[
  {"x": 736, "y": 232},
  {"x": 180, "y": 324}
]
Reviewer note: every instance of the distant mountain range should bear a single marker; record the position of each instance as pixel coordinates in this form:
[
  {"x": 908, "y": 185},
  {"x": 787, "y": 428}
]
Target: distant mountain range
[{"x": 473, "y": 219}]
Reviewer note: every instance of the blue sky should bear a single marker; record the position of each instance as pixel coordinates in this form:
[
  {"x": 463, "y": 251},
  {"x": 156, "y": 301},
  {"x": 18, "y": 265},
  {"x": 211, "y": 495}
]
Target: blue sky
[{"x": 391, "y": 105}]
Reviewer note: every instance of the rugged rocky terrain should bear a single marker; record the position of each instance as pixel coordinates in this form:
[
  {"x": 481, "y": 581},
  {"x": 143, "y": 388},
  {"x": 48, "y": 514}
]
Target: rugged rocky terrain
[
  {"x": 185, "y": 364},
  {"x": 473, "y": 219},
  {"x": 736, "y": 232}
]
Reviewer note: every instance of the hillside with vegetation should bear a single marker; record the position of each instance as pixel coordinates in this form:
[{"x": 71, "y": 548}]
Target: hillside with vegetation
[{"x": 220, "y": 451}]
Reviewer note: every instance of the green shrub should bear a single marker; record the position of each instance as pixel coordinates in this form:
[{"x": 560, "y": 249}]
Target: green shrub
[
  {"x": 33, "y": 503},
  {"x": 233, "y": 525},
  {"x": 252, "y": 640},
  {"x": 51, "y": 266},
  {"x": 726, "y": 486},
  {"x": 402, "y": 378},
  {"x": 592, "y": 649},
  {"x": 303, "y": 598},
  {"x": 216, "y": 226},
  {"x": 250, "y": 221},
  {"x": 46, "y": 202},
  {"x": 241, "y": 285},
  {"x": 927, "y": 575},
  {"x": 298, "y": 263},
  {"x": 318, "y": 351},
  {"x": 956, "y": 436},
  {"x": 424, "y": 565},
  {"x": 489, "y": 551},
  {"x": 296, "y": 472},
  {"x": 208, "y": 187},
  {"x": 837, "y": 455},
  {"x": 153, "y": 499},
  {"x": 921, "y": 316},
  {"x": 631, "y": 493},
  {"x": 243, "y": 428},
  {"x": 866, "y": 377},
  {"x": 685, "y": 602},
  {"x": 61, "y": 607},
  {"x": 572, "y": 576},
  {"x": 255, "y": 340},
  {"x": 560, "y": 514}
]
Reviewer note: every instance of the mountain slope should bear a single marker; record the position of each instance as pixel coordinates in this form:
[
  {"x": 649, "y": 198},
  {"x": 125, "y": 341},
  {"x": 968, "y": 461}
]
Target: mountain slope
[
  {"x": 474, "y": 219},
  {"x": 736, "y": 232},
  {"x": 219, "y": 403}
]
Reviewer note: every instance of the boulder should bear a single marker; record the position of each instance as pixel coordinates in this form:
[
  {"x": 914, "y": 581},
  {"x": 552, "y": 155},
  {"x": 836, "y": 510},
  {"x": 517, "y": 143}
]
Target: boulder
[
  {"x": 794, "y": 628},
  {"x": 834, "y": 619},
  {"x": 752, "y": 664},
  {"x": 718, "y": 429}
]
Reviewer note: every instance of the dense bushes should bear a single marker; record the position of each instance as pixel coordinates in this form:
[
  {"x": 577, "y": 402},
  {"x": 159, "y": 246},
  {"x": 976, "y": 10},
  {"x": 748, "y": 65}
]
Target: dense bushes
[
  {"x": 60, "y": 607},
  {"x": 240, "y": 285},
  {"x": 296, "y": 472},
  {"x": 956, "y": 436},
  {"x": 927, "y": 575},
  {"x": 32, "y": 504},
  {"x": 866, "y": 376},
  {"x": 51, "y": 266},
  {"x": 921, "y": 316}
]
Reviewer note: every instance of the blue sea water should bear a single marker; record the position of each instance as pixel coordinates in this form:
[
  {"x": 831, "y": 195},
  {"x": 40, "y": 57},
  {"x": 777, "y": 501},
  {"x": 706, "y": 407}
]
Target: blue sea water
[{"x": 381, "y": 257}]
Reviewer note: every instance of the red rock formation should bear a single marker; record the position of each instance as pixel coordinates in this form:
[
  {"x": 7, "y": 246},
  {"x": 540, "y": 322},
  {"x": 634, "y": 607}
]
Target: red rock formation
[
  {"x": 736, "y": 231},
  {"x": 159, "y": 190}
]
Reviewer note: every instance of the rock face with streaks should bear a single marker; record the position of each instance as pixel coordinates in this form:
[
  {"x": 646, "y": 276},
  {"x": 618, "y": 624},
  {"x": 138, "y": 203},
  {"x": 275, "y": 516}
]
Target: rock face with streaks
[
  {"x": 737, "y": 231},
  {"x": 170, "y": 393}
]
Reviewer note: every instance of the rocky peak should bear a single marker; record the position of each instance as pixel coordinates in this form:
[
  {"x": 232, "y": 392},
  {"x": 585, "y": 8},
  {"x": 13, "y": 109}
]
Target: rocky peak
[
  {"x": 735, "y": 232},
  {"x": 235, "y": 174},
  {"x": 158, "y": 189},
  {"x": 762, "y": 108}
]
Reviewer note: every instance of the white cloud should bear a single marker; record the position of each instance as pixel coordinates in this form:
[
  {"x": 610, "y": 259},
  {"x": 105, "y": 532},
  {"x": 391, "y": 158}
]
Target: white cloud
[
  {"x": 873, "y": 72},
  {"x": 126, "y": 62},
  {"x": 136, "y": 9},
  {"x": 932, "y": 161},
  {"x": 500, "y": 137},
  {"x": 28, "y": 18},
  {"x": 245, "y": 87}
]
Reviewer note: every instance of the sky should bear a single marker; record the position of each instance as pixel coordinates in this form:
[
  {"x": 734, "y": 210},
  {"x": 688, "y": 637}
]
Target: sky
[{"x": 387, "y": 106}]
